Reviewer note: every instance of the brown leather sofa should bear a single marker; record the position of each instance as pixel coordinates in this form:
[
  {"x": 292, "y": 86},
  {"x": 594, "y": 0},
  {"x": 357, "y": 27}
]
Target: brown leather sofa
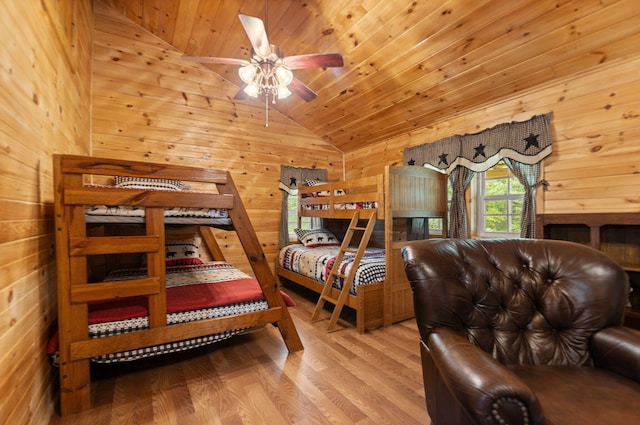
[{"x": 523, "y": 331}]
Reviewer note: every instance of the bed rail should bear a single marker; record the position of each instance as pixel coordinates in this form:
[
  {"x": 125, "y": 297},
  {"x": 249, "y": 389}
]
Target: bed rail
[{"x": 338, "y": 200}]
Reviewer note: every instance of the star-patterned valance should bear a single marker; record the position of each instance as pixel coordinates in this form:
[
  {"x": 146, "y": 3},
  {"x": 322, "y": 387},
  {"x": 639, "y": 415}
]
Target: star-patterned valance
[
  {"x": 527, "y": 142},
  {"x": 291, "y": 177}
]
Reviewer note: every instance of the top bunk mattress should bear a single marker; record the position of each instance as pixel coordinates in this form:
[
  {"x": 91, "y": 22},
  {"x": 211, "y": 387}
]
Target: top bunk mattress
[
  {"x": 133, "y": 215},
  {"x": 122, "y": 214}
]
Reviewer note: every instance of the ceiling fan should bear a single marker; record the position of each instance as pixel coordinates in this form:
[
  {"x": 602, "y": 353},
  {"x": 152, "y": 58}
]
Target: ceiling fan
[{"x": 269, "y": 71}]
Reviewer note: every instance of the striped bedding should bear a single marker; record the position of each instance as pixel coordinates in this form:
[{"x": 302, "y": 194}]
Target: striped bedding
[
  {"x": 136, "y": 214},
  {"x": 316, "y": 263},
  {"x": 128, "y": 215},
  {"x": 194, "y": 292}
]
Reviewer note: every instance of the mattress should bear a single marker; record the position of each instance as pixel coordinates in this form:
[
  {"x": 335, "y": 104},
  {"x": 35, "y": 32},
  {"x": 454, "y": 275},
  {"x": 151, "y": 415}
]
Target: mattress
[
  {"x": 316, "y": 263},
  {"x": 124, "y": 214},
  {"x": 194, "y": 292},
  {"x": 132, "y": 215}
]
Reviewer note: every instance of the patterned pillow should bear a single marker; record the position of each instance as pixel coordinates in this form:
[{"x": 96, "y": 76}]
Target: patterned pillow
[
  {"x": 312, "y": 182},
  {"x": 182, "y": 253},
  {"x": 317, "y": 237},
  {"x": 127, "y": 182}
]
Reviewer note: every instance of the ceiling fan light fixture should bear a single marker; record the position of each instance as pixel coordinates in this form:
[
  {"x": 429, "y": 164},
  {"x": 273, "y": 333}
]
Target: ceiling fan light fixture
[
  {"x": 268, "y": 71},
  {"x": 248, "y": 73},
  {"x": 283, "y": 92},
  {"x": 284, "y": 75},
  {"x": 252, "y": 89}
]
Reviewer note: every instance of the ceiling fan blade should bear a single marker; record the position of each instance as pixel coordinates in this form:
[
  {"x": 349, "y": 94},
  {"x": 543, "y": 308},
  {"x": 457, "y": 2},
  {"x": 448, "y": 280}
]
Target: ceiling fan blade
[
  {"x": 211, "y": 59},
  {"x": 299, "y": 88},
  {"x": 254, "y": 27},
  {"x": 319, "y": 60}
]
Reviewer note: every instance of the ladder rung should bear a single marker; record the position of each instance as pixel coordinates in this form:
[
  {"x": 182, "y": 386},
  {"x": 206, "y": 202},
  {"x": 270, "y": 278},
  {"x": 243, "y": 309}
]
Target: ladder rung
[
  {"x": 359, "y": 228},
  {"x": 339, "y": 274},
  {"x": 353, "y": 251},
  {"x": 328, "y": 298}
]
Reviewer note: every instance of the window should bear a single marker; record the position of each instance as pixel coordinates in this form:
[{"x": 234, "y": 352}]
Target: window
[
  {"x": 292, "y": 215},
  {"x": 435, "y": 224},
  {"x": 500, "y": 200}
]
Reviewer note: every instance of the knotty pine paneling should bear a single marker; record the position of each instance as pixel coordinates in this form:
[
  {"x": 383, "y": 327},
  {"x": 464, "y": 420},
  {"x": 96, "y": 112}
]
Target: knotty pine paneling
[
  {"x": 45, "y": 96},
  {"x": 596, "y": 131},
  {"x": 408, "y": 65},
  {"x": 150, "y": 105}
]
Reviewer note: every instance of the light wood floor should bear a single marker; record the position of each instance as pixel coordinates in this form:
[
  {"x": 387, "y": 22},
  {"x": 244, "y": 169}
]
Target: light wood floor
[{"x": 339, "y": 378}]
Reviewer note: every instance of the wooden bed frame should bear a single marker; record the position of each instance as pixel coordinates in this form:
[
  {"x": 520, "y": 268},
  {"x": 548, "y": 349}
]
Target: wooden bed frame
[
  {"x": 74, "y": 247},
  {"x": 405, "y": 196}
]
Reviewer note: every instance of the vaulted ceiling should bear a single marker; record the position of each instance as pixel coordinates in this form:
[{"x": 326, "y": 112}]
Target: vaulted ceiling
[{"x": 408, "y": 63}]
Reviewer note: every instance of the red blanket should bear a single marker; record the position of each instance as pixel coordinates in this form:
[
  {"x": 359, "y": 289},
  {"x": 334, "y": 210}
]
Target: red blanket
[
  {"x": 182, "y": 298},
  {"x": 179, "y": 298}
]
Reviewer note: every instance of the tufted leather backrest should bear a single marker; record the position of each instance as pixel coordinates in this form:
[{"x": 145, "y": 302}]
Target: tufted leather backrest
[{"x": 524, "y": 301}]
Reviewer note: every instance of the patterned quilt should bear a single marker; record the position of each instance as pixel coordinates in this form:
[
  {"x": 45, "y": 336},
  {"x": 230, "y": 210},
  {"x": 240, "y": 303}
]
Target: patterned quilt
[
  {"x": 194, "y": 292},
  {"x": 316, "y": 263}
]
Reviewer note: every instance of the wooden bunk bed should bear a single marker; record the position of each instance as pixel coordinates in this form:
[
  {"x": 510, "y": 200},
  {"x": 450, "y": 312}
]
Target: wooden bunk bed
[
  {"x": 80, "y": 182},
  {"x": 404, "y": 199}
]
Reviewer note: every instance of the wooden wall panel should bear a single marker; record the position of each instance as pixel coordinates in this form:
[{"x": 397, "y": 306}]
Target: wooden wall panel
[
  {"x": 45, "y": 97},
  {"x": 596, "y": 131},
  {"x": 150, "y": 105}
]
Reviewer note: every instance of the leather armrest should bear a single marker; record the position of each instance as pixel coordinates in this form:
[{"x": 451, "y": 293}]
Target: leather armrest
[
  {"x": 617, "y": 349},
  {"x": 486, "y": 389}
]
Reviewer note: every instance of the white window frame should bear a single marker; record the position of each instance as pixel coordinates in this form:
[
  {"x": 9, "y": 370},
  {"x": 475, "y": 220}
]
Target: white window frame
[
  {"x": 440, "y": 231},
  {"x": 292, "y": 215},
  {"x": 482, "y": 198}
]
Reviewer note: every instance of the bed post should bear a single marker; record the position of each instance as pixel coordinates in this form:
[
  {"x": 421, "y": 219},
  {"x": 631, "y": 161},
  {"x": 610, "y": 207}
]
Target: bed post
[
  {"x": 259, "y": 264},
  {"x": 74, "y": 374}
]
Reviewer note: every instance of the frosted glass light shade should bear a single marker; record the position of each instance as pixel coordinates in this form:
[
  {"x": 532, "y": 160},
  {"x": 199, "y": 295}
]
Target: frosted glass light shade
[
  {"x": 248, "y": 73},
  {"x": 284, "y": 75},
  {"x": 252, "y": 89},
  {"x": 283, "y": 92}
]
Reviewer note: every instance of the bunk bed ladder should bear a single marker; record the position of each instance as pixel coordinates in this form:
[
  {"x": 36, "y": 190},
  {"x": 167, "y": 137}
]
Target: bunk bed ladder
[{"x": 327, "y": 290}]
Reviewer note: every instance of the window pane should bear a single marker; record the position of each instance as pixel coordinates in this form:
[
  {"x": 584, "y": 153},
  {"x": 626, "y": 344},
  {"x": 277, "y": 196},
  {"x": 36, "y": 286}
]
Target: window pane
[
  {"x": 292, "y": 203},
  {"x": 292, "y": 216},
  {"x": 516, "y": 187},
  {"x": 500, "y": 202},
  {"x": 496, "y": 207},
  {"x": 435, "y": 224},
  {"x": 495, "y": 223},
  {"x": 497, "y": 187},
  {"x": 516, "y": 206},
  {"x": 516, "y": 222}
]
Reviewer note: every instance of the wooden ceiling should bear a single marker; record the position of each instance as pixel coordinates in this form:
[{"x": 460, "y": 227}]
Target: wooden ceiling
[{"x": 408, "y": 63}]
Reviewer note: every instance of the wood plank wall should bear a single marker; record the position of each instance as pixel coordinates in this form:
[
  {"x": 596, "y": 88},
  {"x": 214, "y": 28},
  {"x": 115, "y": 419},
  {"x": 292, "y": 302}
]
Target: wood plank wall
[
  {"x": 594, "y": 166},
  {"x": 150, "y": 105},
  {"x": 45, "y": 101}
]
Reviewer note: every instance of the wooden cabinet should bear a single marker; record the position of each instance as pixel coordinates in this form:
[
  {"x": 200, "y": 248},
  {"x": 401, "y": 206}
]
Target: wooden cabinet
[{"x": 616, "y": 234}]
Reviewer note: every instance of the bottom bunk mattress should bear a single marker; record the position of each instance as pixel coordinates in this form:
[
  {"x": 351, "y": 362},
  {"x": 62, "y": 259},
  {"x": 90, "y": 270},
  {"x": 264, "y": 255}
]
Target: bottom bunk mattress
[
  {"x": 316, "y": 263},
  {"x": 194, "y": 292}
]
